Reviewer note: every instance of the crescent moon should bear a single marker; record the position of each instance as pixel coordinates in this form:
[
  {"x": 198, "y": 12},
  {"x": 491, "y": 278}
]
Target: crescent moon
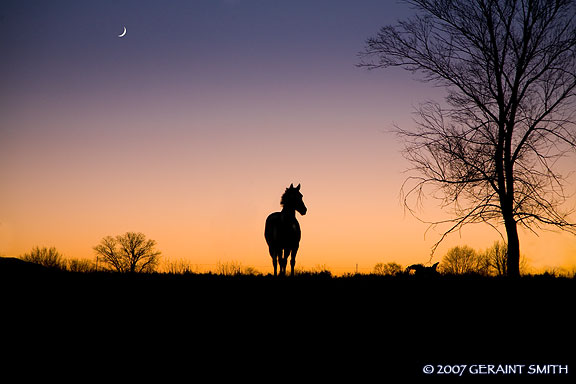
[{"x": 123, "y": 33}]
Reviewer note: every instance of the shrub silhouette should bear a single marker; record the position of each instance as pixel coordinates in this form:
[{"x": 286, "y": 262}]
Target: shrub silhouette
[
  {"x": 234, "y": 268},
  {"x": 80, "y": 265},
  {"x": 47, "y": 257},
  {"x": 128, "y": 253},
  {"x": 463, "y": 260},
  {"x": 390, "y": 269}
]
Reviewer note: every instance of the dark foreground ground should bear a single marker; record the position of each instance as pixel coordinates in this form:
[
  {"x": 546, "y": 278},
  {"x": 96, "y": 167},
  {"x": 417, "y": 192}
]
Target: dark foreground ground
[{"x": 305, "y": 329}]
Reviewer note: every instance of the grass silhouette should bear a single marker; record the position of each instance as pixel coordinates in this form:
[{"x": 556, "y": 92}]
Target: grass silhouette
[{"x": 312, "y": 325}]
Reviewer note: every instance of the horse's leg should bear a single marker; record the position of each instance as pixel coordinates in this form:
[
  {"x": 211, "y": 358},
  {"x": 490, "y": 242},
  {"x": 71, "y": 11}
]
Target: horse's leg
[
  {"x": 274, "y": 256},
  {"x": 284, "y": 261},
  {"x": 293, "y": 261}
]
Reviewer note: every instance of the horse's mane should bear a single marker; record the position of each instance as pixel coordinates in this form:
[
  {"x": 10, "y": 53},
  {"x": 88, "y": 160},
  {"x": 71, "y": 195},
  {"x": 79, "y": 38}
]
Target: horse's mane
[
  {"x": 288, "y": 196},
  {"x": 291, "y": 194},
  {"x": 283, "y": 199}
]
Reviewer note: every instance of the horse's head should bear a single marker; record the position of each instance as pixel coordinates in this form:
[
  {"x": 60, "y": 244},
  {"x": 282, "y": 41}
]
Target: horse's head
[{"x": 292, "y": 198}]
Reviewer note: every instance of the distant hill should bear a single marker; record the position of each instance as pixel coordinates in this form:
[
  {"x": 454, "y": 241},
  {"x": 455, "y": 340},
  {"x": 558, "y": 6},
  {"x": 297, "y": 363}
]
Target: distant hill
[{"x": 10, "y": 265}]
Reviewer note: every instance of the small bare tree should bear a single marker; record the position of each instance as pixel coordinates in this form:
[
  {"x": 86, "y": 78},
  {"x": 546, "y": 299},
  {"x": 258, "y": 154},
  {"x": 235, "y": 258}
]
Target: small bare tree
[
  {"x": 463, "y": 260},
  {"x": 496, "y": 257},
  {"x": 130, "y": 252},
  {"x": 390, "y": 268},
  {"x": 491, "y": 152},
  {"x": 47, "y": 257},
  {"x": 80, "y": 265}
]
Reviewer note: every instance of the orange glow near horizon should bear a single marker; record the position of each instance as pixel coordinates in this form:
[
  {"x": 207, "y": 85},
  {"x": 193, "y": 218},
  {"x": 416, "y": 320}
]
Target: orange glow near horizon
[{"x": 221, "y": 220}]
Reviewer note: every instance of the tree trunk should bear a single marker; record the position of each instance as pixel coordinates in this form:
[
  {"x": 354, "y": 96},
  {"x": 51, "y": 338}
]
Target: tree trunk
[{"x": 513, "y": 259}]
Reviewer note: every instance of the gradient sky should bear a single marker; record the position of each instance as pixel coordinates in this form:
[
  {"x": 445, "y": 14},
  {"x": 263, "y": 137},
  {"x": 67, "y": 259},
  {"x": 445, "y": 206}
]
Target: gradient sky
[{"x": 190, "y": 127}]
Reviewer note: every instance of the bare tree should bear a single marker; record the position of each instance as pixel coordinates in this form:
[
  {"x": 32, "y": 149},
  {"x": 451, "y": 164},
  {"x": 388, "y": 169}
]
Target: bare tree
[
  {"x": 496, "y": 258},
  {"x": 390, "y": 268},
  {"x": 490, "y": 152},
  {"x": 80, "y": 265},
  {"x": 130, "y": 252},
  {"x": 47, "y": 257},
  {"x": 463, "y": 260}
]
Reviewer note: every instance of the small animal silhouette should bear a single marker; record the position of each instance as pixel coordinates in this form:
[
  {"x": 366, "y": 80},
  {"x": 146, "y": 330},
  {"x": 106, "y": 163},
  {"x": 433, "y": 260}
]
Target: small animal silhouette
[
  {"x": 282, "y": 231},
  {"x": 421, "y": 270}
]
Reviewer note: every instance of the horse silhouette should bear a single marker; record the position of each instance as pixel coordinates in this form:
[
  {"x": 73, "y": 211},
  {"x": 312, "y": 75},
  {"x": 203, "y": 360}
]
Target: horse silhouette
[
  {"x": 421, "y": 270},
  {"x": 282, "y": 231}
]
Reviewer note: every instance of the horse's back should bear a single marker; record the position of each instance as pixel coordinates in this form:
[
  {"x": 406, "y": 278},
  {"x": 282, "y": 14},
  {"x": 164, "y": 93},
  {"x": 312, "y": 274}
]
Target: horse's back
[
  {"x": 276, "y": 216},
  {"x": 279, "y": 232},
  {"x": 270, "y": 228}
]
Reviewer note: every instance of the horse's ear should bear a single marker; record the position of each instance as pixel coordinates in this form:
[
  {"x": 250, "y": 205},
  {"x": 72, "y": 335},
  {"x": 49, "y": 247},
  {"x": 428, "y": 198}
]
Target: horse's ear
[
  {"x": 291, "y": 186},
  {"x": 298, "y": 187}
]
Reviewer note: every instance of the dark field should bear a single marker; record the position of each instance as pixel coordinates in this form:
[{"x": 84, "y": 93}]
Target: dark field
[{"x": 309, "y": 328}]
